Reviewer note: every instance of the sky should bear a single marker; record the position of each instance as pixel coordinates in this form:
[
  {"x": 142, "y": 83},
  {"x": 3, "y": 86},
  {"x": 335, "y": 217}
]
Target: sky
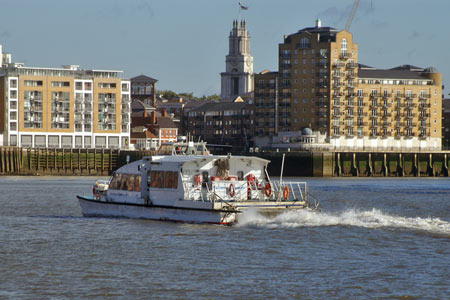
[{"x": 183, "y": 43}]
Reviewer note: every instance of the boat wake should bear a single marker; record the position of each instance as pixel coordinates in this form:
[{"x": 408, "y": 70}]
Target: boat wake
[{"x": 374, "y": 218}]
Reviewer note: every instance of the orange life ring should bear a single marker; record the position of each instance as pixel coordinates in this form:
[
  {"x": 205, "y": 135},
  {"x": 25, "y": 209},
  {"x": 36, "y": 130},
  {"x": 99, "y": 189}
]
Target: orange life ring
[
  {"x": 231, "y": 190},
  {"x": 268, "y": 189},
  {"x": 286, "y": 193}
]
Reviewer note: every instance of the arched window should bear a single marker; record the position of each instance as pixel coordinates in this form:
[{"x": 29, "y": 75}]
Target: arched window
[
  {"x": 344, "y": 46},
  {"x": 304, "y": 43}
]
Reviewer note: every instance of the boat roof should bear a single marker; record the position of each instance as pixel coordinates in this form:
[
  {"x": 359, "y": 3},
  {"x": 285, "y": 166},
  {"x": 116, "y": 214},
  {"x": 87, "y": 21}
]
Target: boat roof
[{"x": 189, "y": 158}]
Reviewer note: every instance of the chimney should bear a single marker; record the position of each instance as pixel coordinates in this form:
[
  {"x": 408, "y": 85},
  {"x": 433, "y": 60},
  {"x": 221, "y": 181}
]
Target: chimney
[
  {"x": 153, "y": 116},
  {"x": 145, "y": 114},
  {"x": 164, "y": 113}
]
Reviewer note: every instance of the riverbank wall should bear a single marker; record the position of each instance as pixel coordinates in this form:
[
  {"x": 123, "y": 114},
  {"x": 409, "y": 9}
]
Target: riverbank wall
[{"x": 101, "y": 162}]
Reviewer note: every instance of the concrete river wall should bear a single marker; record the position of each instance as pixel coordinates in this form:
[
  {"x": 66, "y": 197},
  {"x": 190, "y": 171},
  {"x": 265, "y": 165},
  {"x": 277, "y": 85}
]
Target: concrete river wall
[{"x": 19, "y": 161}]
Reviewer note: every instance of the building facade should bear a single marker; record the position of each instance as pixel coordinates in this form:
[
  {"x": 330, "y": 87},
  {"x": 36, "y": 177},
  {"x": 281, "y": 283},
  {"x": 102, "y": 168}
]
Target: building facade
[
  {"x": 223, "y": 123},
  {"x": 237, "y": 80},
  {"x": 143, "y": 88},
  {"x": 63, "y": 107},
  {"x": 321, "y": 85}
]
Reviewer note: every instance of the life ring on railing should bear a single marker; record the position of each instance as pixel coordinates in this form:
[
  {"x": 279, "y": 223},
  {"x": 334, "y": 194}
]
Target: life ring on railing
[
  {"x": 231, "y": 190},
  {"x": 198, "y": 179},
  {"x": 286, "y": 193},
  {"x": 268, "y": 189}
]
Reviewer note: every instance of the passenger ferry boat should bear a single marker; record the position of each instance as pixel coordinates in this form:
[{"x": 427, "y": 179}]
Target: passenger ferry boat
[{"x": 194, "y": 188}]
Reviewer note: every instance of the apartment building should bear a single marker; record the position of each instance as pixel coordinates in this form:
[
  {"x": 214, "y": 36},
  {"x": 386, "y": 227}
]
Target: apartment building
[
  {"x": 63, "y": 107},
  {"x": 229, "y": 123},
  {"x": 321, "y": 85}
]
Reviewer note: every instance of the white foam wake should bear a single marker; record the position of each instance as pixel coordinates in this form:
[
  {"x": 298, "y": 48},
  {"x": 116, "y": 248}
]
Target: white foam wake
[{"x": 352, "y": 217}]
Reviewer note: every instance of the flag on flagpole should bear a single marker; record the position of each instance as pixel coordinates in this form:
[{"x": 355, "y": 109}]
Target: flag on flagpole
[{"x": 242, "y": 6}]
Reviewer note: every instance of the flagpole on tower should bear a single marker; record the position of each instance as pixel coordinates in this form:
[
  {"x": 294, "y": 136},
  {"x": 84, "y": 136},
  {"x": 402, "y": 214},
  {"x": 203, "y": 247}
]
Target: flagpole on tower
[{"x": 241, "y": 7}]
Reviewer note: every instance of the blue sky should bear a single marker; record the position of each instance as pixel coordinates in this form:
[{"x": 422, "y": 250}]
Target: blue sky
[{"x": 183, "y": 43}]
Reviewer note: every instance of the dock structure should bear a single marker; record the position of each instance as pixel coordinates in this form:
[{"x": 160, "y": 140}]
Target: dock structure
[
  {"x": 57, "y": 161},
  {"x": 361, "y": 164}
]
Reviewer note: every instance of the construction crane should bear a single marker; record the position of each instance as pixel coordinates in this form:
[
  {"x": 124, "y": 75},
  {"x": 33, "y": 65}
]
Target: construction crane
[{"x": 352, "y": 15}]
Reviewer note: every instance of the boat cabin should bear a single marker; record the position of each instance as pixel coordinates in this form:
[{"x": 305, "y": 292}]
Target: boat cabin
[{"x": 173, "y": 180}]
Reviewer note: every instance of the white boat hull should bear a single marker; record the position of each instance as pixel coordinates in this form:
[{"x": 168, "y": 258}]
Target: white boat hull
[{"x": 92, "y": 207}]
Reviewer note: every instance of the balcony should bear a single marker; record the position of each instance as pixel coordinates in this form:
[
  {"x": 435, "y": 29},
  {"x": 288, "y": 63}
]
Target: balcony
[
  {"x": 409, "y": 115},
  {"x": 336, "y": 75},
  {"x": 285, "y": 85},
  {"x": 286, "y": 75},
  {"x": 285, "y": 65},
  {"x": 425, "y": 125},
  {"x": 338, "y": 65},
  {"x": 322, "y": 114},
  {"x": 345, "y": 55},
  {"x": 424, "y": 116},
  {"x": 285, "y": 104},
  {"x": 285, "y": 95},
  {"x": 410, "y": 104},
  {"x": 322, "y": 55},
  {"x": 424, "y": 96},
  {"x": 322, "y": 94},
  {"x": 270, "y": 85},
  {"x": 351, "y": 66},
  {"x": 322, "y": 64},
  {"x": 285, "y": 55},
  {"x": 424, "y": 105}
]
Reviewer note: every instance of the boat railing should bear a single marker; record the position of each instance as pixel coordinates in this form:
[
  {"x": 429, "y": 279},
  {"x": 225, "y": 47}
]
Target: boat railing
[{"x": 232, "y": 190}]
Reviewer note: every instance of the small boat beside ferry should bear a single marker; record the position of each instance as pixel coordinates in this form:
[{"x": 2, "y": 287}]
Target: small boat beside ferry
[{"x": 194, "y": 188}]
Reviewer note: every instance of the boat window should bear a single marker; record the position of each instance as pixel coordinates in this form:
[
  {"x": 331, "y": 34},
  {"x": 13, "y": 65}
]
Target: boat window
[
  {"x": 240, "y": 175},
  {"x": 137, "y": 183},
  {"x": 116, "y": 182},
  {"x": 171, "y": 180},
  {"x": 124, "y": 185},
  {"x": 126, "y": 182},
  {"x": 130, "y": 183},
  {"x": 149, "y": 178},
  {"x": 164, "y": 179}
]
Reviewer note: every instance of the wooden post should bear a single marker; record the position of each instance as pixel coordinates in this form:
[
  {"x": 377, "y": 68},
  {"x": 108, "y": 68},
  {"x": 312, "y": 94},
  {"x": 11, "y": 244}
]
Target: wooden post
[{"x": 7, "y": 160}]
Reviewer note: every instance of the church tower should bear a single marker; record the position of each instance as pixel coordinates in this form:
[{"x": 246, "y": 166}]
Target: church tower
[{"x": 238, "y": 76}]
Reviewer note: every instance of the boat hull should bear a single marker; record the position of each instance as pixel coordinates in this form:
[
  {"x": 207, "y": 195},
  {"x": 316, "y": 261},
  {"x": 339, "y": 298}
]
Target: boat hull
[{"x": 92, "y": 207}]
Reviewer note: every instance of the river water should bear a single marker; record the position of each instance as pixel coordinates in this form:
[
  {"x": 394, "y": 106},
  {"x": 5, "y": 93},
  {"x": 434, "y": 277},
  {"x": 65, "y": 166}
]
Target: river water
[{"x": 375, "y": 239}]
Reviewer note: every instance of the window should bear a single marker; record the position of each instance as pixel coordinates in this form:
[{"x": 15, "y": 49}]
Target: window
[
  {"x": 304, "y": 43},
  {"x": 164, "y": 179},
  {"x": 344, "y": 46},
  {"x": 60, "y": 83},
  {"x": 33, "y": 82},
  {"x": 106, "y": 85},
  {"x": 126, "y": 182}
]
